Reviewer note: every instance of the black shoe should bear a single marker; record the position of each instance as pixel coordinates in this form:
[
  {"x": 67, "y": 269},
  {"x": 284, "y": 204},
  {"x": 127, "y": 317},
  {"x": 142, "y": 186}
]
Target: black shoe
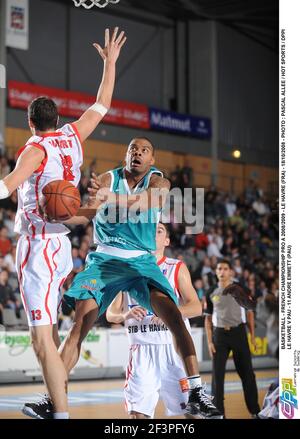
[
  {"x": 42, "y": 409},
  {"x": 200, "y": 406},
  {"x": 255, "y": 416}
]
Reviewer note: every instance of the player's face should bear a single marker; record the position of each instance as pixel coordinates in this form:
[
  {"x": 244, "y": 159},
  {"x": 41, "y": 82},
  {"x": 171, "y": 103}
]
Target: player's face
[
  {"x": 223, "y": 272},
  {"x": 139, "y": 156},
  {"x": 162, "y": 239}
]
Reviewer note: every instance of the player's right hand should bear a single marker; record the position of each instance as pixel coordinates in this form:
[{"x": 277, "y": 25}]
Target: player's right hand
[
  {"x": 211, "y": 349},
  {"x": 112, "y": 46},
  {"x": 137, "y": 313}
]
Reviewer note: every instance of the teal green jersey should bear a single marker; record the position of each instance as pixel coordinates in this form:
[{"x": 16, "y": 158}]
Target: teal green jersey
[{"x": 124, "y": 228}]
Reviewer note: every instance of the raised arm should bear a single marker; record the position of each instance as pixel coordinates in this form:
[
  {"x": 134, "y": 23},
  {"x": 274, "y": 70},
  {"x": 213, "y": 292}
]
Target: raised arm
[
  {"x": 93, "y": 115},
  {"x": 29, "y": 160}
]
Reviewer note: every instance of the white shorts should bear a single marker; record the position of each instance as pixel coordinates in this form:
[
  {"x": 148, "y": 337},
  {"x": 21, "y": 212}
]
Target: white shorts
[
  {"x": 42, "y": 266},
  {"x": 154, "y": 371}
]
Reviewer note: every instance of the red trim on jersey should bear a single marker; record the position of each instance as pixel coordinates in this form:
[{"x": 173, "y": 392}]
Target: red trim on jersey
[
  {"x": 53, "y": 134},
  {"x": 161, "y": 260},
  {"x": 54, "y": 254},
  {"x": 60, "y": 285},
  {"x": 51, "y": 280},
  {"x": 74, "y": 127},
  {"x": 178, "y": 265},
  {"x": 36, "y": 211},
  {"x": 31, "y": 224},
  {"x": 41, "y": 168},
  {"x": 36, "y": 145},
  {"x": 43, "y": 231},
  {"x": 22, "y": 265},
  {"x": 19, "y": 152},
  {"x": 133, "y": 348}
]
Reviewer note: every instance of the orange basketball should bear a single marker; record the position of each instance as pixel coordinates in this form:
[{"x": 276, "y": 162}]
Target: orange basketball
[{"x": 61, "y": 200}]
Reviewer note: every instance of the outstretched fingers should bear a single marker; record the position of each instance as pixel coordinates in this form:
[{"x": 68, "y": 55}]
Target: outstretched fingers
[
  {"x": 106, "y": 39},
  {"x": 122, "y": 42},
  {"x": 99, "y": 49},
  {"x": 114, "y": 35},
  {"x": 118, "y": 40}
]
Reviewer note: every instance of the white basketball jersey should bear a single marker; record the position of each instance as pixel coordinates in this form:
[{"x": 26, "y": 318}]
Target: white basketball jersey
[
  {"x": 146, "y": 332},
  {"x": 62, "y": 162}
]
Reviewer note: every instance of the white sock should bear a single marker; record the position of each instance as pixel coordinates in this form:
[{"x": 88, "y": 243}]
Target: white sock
[
  {"x": 61, "y": 415},
  {"x": 194, "y": 381}
]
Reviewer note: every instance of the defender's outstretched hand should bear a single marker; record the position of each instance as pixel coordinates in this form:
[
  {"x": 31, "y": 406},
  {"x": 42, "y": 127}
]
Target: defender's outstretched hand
[
  {"x": 113, "y": 45},
  {"x": 90, "y": 119}
]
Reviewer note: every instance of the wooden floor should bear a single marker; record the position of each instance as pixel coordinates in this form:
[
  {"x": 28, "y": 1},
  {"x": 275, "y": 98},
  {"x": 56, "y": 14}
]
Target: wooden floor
[{"x": 13, "y": 396}]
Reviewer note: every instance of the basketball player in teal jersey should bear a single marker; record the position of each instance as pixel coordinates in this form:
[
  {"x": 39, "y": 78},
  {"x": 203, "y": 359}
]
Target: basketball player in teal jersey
[{"x": 123, "y": 262}]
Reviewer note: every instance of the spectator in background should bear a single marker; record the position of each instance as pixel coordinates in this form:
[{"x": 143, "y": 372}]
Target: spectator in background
[
  {"x": 7, "y": 297},
  {"x": 9, "y": 203},
  {"x": 187, "y": 173},
  {"x": 228, "y": 246},
  {"x": 83, "y": 250},
  {"x": 4, "y": 167},
  {"x": 254, "y": 291},
  {"x": 260, "y": 207},
  {"x": 201, "y": 241},
  {"x": 199, "y": 287},
  {"x": 237, "y": 267},
  {"x": 230, "y": 207},
  {"x": 9, "y": 260},
  {"x": 213, "y": 249},
  {"x": 206, "y": 268},
  {"x": 5, "y": 242},
  {"x": 9, "y": 223},
  {"x": 77, "y": 261},
  {"x": 237, "y": 221},
  {"x": 251, "y": 192},
  {"x": 175, "y": 177},
  {"x": 268, "y": 314}
]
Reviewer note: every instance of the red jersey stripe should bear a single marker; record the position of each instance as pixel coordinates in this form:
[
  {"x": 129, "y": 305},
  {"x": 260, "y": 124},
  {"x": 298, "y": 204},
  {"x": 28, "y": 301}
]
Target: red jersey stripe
[{"x": 51, "y": 280}]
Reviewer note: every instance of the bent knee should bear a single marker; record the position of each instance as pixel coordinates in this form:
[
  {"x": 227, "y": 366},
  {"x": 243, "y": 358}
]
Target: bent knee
[{"x": 41, "y": 343}]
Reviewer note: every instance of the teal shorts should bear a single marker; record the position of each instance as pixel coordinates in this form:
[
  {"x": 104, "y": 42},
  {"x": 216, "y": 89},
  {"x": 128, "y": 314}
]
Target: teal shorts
[{"x": 105, "y": 276}]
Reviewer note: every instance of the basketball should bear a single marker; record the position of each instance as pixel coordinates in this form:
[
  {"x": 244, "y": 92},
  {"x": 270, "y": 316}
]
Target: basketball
[{"x": 61, "y": 200}]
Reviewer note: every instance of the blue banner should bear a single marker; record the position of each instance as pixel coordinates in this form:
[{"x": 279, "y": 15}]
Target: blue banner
[{"x": 180, "y": 123}]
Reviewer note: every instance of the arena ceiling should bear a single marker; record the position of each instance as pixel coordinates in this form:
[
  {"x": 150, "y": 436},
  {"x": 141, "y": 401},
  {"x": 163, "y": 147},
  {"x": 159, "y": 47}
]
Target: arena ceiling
[{"x": 257, "y": 19}]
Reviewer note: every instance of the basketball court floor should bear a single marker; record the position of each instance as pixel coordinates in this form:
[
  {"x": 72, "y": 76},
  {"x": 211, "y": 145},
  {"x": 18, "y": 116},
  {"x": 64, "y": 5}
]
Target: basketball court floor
[{"x": 103, "y": 399}]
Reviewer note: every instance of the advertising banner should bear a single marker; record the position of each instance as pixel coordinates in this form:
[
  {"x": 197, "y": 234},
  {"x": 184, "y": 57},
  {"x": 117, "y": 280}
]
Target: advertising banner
[
  {"x": 17, "y": 18},
  {"x": 180, "y": 123},
  {"x": 73, "y": 104}
]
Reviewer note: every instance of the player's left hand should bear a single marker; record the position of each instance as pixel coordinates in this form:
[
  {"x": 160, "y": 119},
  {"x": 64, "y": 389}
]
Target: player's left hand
[
  {"x": 113, "y": 45},
  {"x": 157, "y": 321},
  {"x": 253, "y": 342}
]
